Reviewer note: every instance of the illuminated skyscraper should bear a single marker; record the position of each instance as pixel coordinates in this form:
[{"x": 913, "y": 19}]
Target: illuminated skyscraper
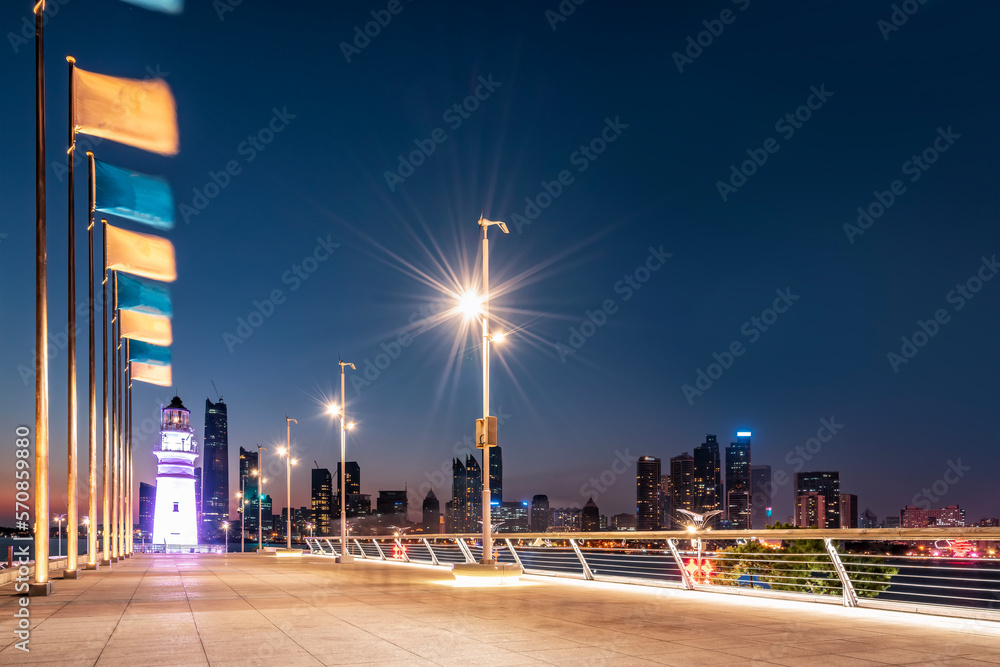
[
  {"x": 708, "y": 479},
  {"x": 175, "y": 521},
  {"x": 248, "y": 482},
  {"x": 431, "y": 513},
  {"x": 590, "y": 519},
  {"x": 539, "y": 514},
  {"x": 827, "y": 485},
  {"x": 647, "y": 494},
  {"x": 215, "y": 471},
  {"x": 454, "y": 517},
  {"x": 738, "y": 482},
  {"x": 473, "y": 494},
  {"x": 496, "y": 474},
  {"x": 760, "y": 502},
  {"x": 147, "y": 507},
  {"x": 322, "y": 501},
  {"x": 681, "y": 484}
]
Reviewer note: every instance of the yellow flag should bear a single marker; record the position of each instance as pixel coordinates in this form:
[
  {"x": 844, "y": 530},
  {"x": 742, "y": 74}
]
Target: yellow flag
[
  {"x": 139, "y": 113},
  {"x": 153, "y": 329},
  {"x": 153, "y": 374},
  {"x": 141, "y": 254}
]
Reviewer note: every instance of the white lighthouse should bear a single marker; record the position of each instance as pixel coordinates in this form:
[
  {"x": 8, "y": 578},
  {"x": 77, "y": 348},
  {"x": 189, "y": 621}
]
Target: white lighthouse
[{"x": 174, "y": 521}]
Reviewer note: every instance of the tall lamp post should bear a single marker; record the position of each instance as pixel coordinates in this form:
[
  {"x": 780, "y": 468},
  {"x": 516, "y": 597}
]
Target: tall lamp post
[
  {"x": 59, "y": 519},
  {"x": 225, "y": 526},
  {"x": 341, "y": 411},
  {"x": 485, "y": 427},
  {"x": 287, "y": 453},
  {"x": 259, "y": 473},
  {"x": 243, "y": 511}
]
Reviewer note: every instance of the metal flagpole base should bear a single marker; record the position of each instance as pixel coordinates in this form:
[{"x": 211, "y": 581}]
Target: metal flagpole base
[
  {"x": 106, "y": 562},
  {"x": 92, "y": 566},
  {"x": 486, "y": 574},
  {"x": 345, "y": 558},
  {"x": 72, "y": 574},
  {"x": 40, "y": 590}
]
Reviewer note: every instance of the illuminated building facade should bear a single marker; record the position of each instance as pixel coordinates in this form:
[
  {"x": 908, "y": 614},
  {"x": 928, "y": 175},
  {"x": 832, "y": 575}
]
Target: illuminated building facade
[
  {"x": 648, "y": 505},
  {"x": 175, "y": 520}
]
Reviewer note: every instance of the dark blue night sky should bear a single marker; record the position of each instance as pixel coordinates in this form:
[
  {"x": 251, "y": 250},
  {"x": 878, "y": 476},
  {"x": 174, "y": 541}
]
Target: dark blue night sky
[{"x": 675, "y": 207}]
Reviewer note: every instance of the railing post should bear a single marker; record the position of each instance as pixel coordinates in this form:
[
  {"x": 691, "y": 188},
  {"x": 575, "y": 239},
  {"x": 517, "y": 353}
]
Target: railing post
[
  {"x": 586, "y": 568},
  {"x": 517, "y": 559},
  {"x": 465, "y": 550},
  {"x": 434, "y": 558},
  {"x": 402, "y": 551},
  {"x": 685, "y": 575},
  {"x": 850, "y": 597},
  {"x": 332, "y": 550},
  {"x": 381, "y": 553},
  {"x": 360, "y": 550}
]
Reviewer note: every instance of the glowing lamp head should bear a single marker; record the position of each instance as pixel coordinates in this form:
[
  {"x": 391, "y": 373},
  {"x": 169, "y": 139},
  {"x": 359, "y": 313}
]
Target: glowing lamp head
[
  {"x": 692, "y": 529},
  {"x": 350, "y": 425},
  {"x": 468, "y": 303},
  {"x": 333, "y": 410},
  {"x": 281, "y": 451},
  {"x": 498, "y": 337}
]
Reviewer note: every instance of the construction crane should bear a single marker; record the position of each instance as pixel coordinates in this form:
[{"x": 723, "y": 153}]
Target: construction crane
[
  {"x": 216, "y": 390},
  {"x": 317, "y": 464}
]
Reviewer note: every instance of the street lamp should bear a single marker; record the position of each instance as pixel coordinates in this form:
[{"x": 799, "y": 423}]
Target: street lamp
[
  {"x": 59, "y": 519},
  {"x": 260, "y": 493},
  {"x": 341, "y": 411},
  {"x": 243, "y": 511},
  {"x": 225, "y": 526},
  {"x": 287, "y": 453},
  {"x": 696, "y": 524},
  {"x": 310, "y": 526},
  {"x": 486, "y": 428}
]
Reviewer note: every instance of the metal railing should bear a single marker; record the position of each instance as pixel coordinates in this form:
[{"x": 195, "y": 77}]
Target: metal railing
[{"x": 947, "y": 571}]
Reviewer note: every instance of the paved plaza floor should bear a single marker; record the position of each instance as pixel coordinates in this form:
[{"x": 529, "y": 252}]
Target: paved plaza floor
[{"x": 263, "y": 610}]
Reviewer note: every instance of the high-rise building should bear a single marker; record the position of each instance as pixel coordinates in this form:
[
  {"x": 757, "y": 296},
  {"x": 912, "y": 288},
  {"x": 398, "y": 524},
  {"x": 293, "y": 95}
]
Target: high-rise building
[
  {"x": 590, "y": 517},
  {"x": 352, "y": 476},
  {"x": 511, "y": 517},
  {"x": 681, "y": 487},
  {"x": 473, "y": 495},
  {"x": 455, "y": 510},
  {"x": 926, "y": 517},
  {"x": 708, "y": 479},
  {"x": 648, "y": 506},
  {"x": 431, "y": 514},
  {"x": 623, "y": 522},
  {"x": 392, "y": 503},
  {"x": 848, "y": 510},
  {"x": 868, "y": 519},
  {"x": 358, "y": 504},
  {"x": 760, "y": 499},
  {"x": 198, "y": 483},
  {"x": 248, "y": 482},
  {"x": 810, "y": 510},
  {"x": 215, "y": 471},
  {"x": 322, "y": 502},
  {"x": 827, "y": 484},
  {"x": 565, "y": 519},
  {"x": 540, "y": 514},
  {"x": 147, "y": 505},
  {"x": 496, "y": 474},
  {"x": 738, "y": 482},
  {"x": 175, "y": 520}
]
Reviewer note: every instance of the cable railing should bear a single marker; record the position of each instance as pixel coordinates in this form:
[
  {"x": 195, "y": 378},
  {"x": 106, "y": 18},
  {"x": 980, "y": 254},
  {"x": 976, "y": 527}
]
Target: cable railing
[{"x": 902, "y": 569}]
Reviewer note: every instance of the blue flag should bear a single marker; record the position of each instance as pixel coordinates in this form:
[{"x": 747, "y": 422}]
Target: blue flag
[
  {"x": 167, "y": 6},
  {"x": 135, "y": 196},
  {"x": 144, "y": 296},
  {"x": 147, "y": 353}
]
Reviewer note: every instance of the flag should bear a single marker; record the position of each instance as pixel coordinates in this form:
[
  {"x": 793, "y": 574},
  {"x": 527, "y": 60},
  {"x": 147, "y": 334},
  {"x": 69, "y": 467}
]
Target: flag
[
  {"x": 165, "y": 6},
  {"x": 142, "y": 326},
  {"x": 140, "y": 254},
  {"x": 135, "y": 196},
  {"x": 153, "y": 374},
  {"x": 147, "y": 353},
  {"x": 129, "y": 111},
  {"x": 143, "y": 296}
]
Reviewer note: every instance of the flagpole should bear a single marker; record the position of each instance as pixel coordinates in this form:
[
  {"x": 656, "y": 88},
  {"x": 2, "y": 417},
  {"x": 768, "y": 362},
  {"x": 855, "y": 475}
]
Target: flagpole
[
  {"x": 106, "y": 443},
  {"x": 91, "y": 376},
  {"x": 72, "y": 525},
  {"x": 131, "y": 482},
  {"x": 121, "y": 441},
  {"x": 41, "y": 585},
  {"x": 114, "y": 416}
]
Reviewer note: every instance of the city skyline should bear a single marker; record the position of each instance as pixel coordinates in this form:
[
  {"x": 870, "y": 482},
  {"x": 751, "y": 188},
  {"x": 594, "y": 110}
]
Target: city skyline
[{"x": 639, "y": 290}]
